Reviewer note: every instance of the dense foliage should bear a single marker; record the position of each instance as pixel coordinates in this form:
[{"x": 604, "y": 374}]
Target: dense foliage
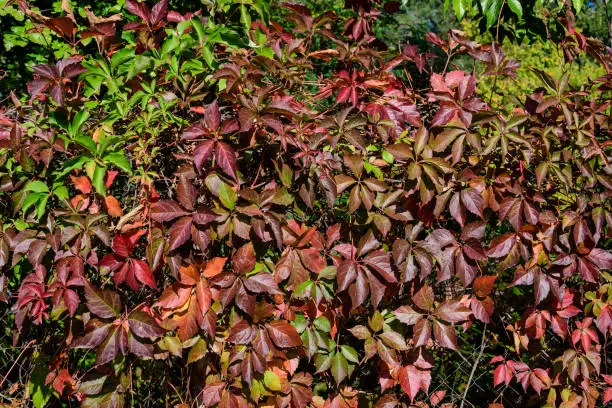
[{"x": 241, "y": 206}]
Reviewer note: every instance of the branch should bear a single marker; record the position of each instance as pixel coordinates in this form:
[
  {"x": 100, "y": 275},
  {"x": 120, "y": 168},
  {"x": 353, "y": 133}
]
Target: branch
[
  {"x": 483, "y": 343},
  {"x": 127, "y": 217}
]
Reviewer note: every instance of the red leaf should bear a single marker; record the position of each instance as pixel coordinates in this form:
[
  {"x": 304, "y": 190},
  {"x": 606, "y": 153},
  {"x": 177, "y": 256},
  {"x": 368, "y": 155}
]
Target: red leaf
[
  {"x": 143, "y": 273},
  {"x": 174, "y": 296},
  {"x": 473, "y": 201},
  {"x": 211, "y": 394},
  {"x": 194, "y": 132},
  {"x": 244, "y": 259},
  {"x": 380, "y": 261},
  {"x": 424, "y": 298},
  {"x": 262, "y": 282},
  {"x": 186, "y": 193},
  {"x": 82, "y": 184},
  {"x": 122, "y": 245},
  {"x": 212, "y": 116},
  {"x": 412, "y": 380},
  {"x": 241, "y": 333}
]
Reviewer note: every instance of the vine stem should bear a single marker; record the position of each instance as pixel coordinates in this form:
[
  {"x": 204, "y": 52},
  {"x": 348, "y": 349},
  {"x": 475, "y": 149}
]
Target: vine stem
[{"x": 483, "y": 343}]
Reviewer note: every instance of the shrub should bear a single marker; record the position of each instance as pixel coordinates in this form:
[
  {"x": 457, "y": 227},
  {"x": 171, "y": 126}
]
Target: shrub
[{"x": 216, "y": 209}]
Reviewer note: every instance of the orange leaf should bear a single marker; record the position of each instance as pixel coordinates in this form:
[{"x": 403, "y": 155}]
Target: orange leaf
[
  {"x": 82, "y": 184},
  {"x": 214, "y": 267},
  {"x": 113, "y": 206}
]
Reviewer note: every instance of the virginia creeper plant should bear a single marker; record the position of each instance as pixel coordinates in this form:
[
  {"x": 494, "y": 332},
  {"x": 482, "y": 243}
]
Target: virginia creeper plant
[{"x": 219, "y": 209}]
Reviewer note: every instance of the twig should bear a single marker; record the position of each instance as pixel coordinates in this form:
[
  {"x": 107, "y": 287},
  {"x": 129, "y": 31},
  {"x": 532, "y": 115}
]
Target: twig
[
  {"x": 27, "y": 346},
  {"x": 483, "y": 343},
  {"x": 128, "y": 217}
]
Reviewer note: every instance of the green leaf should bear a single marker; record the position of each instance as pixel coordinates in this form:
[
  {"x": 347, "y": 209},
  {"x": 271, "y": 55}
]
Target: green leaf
[
  {"x": 172, "y": 344},
  {"x": 141, "y": 62},
  {"x": 286, "y": 175},
  {"x": 257, "y": 389},
  {"x": 376, "y": 322},
  {"x": 388, "y": 157},
  {"x": 303, "y": 290},
  {"x": 208, "y": 55},
  {"x": 87, "y": 142},
  {"x": 272, "y": 381},
  {"x": 41, "y": 206},
  {"x": 74, "y": 163},
  {"x": 30, "y": 200},
  {"x": 60, "y": 190},
  {"x": 245, "y": 17},
  {"x": 372, "y": 169},
  {"x": 491, "y": 9},
  {"x": 515, "y": 6},
  {"x": 36, "y": 186},
  {"x": 199, "y": 29},
  {"x": 459, "y": 7},
  {"x": 39, "y": 391},
  {"x": 324, "y": 361},
  {"x": 196, "y": 352},
  {"x": 79, "y": 119},
  {"x": 339, "y": 367},
  {"x": 119, "y": 160},
  {"x": 322, "y": 324},
  {"x": 578, "y": 4},
  {"x": 350, "y": 353},
  {"x": 262, "y": 7},
  {"x": 227, "y": 196},
  {"x": 98, "y": 180},
  {"x": 123, "y": 56},
  {"x": 300, "y": 323},
  {"x": 169, "y": 45}
]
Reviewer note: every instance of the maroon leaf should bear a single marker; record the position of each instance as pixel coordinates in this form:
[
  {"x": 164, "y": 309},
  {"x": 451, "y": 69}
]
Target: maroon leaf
[
  {"x": 139, "y": 9},
  {"x": 167, "y": 210},
  {"x": 103, "y": 303},
  {"x": 202, "y": 152},
  {"x": 159, "y": 11},
  {"x": 453, "y": 311},
  {"x": 445, "y": 335},
  {"x": 143, "y": 325},
  {"x": 407, "y": 315},
  {"x": 244, "y": 259},
  {"x": 179, "y": 233},
  {"x": 283, "y": 334},
  {"x": 226, "y": 159}
]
